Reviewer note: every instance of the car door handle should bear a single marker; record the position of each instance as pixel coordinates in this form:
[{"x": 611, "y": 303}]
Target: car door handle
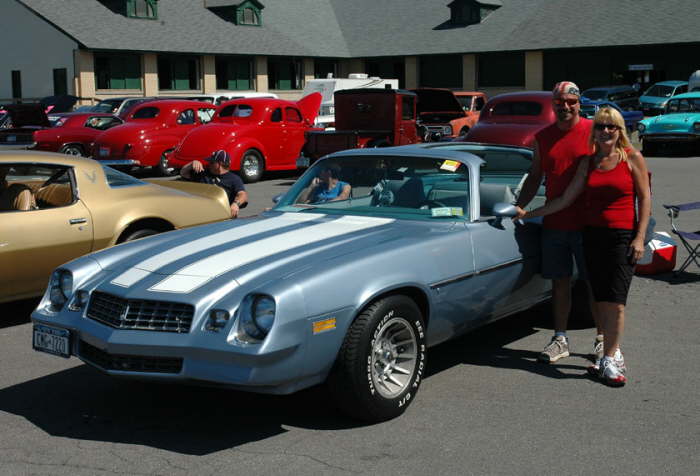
[{"x": 76, "y": 221}]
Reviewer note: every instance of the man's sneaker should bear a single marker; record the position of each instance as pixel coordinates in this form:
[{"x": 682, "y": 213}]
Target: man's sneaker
[
  {"x": 610, "y": 373},
  {"x": 597, "y": 349},
  {"x": 619, "y": 362},
  {"x": 557, "y": 348}
]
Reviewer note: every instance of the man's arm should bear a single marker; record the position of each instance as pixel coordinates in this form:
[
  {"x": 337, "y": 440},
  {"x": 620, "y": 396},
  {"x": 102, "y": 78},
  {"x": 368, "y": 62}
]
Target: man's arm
[
  {"x": 194, "y": 167},
  {"x": 239, "y": 201},
  {"x": 344, "y": 193},
  {"x": 533, "y": 180}
]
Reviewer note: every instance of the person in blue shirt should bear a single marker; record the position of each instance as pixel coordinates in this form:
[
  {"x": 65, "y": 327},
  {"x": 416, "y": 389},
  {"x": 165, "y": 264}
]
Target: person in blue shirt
[{"x": 328, "y": 187}]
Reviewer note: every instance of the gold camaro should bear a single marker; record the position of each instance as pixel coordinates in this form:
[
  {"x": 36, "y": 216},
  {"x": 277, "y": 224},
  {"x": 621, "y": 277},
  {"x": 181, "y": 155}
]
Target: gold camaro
[{"x": 56, "y": 207}]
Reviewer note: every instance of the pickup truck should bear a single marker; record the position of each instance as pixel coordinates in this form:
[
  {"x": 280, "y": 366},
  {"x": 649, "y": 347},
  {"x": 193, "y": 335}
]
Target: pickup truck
[{"x": 365, "y": 118}]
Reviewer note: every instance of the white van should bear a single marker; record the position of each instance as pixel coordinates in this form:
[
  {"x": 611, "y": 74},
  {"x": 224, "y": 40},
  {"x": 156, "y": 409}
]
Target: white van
[
  {"x": 694, "y": 81},
  {"x": 328, "y": 86},
  {"x": 218, "y": 98}
]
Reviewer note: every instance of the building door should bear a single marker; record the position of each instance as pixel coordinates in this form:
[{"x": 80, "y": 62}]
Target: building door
[
  {"x": 60, "y": 82},
  {"x": 16, "y": 85}
]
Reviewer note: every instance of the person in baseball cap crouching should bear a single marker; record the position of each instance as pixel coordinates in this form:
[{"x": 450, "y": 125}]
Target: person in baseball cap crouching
[{"x": 217, "y": 172}]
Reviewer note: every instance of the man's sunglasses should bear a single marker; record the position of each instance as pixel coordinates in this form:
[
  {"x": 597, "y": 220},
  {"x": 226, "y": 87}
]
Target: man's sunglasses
[
  {"x": 602, "y": 127},
  {"x": 568, "y": 102}
]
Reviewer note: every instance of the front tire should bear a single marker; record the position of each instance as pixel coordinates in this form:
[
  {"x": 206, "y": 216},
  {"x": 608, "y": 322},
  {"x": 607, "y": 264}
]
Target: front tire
[
  {"x": 252, "y": 166},
  {"x": 382, "y": 361},
  {"x": 72, "y": 149}
]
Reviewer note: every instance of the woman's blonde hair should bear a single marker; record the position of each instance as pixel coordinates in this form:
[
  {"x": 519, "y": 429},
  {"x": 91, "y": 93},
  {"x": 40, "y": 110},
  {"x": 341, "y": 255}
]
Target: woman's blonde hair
[{"x": 609, "y": 115}]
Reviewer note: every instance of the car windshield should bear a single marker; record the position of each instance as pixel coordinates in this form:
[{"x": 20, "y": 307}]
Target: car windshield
[
  {"x": 416, "y": 188},
  {"x": 660, "y": 91},
  {"x": 595, "y": 94},
  {"x": 465, "y": 102}
]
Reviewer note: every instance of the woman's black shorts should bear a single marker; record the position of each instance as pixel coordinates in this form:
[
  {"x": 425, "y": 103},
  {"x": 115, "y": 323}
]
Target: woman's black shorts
[{"x": 608, "y": 263}]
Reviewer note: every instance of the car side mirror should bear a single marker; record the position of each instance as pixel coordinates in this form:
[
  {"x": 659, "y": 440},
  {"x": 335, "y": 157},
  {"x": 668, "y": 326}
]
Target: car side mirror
[
  {"x": 502, "y": 209},
  {"x": 276, "y": 199}
]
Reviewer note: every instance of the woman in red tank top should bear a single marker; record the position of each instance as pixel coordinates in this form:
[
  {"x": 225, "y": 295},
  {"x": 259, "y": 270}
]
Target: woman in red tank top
[{"x": 612, "y": 179}]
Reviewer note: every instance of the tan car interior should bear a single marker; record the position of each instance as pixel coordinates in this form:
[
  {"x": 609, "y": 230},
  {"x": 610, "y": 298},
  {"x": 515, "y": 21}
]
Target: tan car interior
[{"x": 31, "y": 195}]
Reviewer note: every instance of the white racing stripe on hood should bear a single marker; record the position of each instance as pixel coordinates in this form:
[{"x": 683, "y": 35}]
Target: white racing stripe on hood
[
  {"x": 141, "y": 270},
  {"x": 195, "y": 275}
]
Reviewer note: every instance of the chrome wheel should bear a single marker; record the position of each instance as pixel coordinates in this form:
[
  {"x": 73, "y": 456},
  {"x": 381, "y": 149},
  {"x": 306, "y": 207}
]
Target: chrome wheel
[
  {"x": 393, "y": 359},
  {"x": 72, "y": 150},
  {"x": 250, "y": 165}
]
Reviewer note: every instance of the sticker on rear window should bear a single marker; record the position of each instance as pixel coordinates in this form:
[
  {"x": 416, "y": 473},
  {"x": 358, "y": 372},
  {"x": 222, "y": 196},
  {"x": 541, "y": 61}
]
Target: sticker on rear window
[{"x": 450, "y": 165}]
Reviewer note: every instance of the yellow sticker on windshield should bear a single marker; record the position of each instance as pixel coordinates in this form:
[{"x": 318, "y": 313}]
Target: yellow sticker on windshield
[{"x": 450, "y": 165}]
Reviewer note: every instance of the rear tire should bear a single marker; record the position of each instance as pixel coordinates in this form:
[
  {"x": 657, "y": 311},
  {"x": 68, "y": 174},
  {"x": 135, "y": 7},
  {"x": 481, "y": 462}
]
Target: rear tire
[
  {"x": 464, "y": 131},
  {"x": 252, "y": 166},
  {"x": 142, "y": 233},
  {"x": 382, "y": 361},
  {"x": 73, "y": 149}
]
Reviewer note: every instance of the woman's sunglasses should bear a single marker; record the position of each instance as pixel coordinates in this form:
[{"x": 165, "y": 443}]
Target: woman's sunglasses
[{"x": 602, "y": 127}]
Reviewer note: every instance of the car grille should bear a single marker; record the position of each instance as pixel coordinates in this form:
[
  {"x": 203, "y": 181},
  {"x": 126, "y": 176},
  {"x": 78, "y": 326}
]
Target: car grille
[
  {"x": 139, "y": 314},
  {"x": 129, "y": 363},
  {"x": 16, "y": 138}
]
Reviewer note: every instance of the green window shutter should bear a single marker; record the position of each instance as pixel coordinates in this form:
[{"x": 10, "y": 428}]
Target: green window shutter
[
  {"x": 118, "y": 73},
  {"x": 181, "y": 76},
  {"x": 132, "y": 76}
]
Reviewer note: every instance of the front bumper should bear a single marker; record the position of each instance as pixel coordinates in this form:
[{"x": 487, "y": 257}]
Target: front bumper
[
  {"x": 196, "y": 357},
  {"x": 670, "y": 137},
  {"x": 17, "y": 145}
]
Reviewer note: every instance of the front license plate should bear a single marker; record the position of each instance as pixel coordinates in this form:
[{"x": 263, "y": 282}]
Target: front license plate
[
  {"x": 104, "y": 151},
  {"x": 51, "y": 340}
]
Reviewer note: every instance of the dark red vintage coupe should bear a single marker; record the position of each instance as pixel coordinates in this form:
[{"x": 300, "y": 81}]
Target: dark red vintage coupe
[
  {"x": 258, "y": 133},
  {"x": 151, "y": 131},
  {"x": 74, "y": 133},
  {"x": 513, "y": 119}
]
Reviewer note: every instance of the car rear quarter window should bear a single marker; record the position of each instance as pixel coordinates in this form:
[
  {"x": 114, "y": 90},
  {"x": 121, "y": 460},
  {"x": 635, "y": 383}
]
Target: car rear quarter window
[
  {"x": 517, "y": 108},
  {"x": 205, "y": 114},
  {"x": 117, "y": 179},
  {"x": 186, "y": 117},
  {"x": 146, "y": 113},
  {"x": 236, "y": 110},
  {"x": 292, "y": 115}
]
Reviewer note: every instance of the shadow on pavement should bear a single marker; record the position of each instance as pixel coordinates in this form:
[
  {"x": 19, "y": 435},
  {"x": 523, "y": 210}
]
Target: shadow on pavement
[
  {"x": 672, "y": 278},
  {"x": 82, "y": 403},
  {"x": 17, "y": 312}
]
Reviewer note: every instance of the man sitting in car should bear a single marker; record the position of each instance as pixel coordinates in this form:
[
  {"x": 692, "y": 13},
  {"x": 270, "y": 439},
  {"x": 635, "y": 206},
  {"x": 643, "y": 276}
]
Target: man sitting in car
[
  {"x": 218, "y": 173},
  {"x": 327, "y": 187}
]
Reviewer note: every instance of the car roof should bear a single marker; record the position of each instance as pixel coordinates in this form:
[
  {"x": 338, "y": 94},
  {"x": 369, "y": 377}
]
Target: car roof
[
  {"x": 82, "y": 113},
  {"x": 671, "y": 83},
  {"x": 609, "y": 88},
  {"x": 523, "y": 95},
  {"x": 32, "y": 156},
  {"x": 166, "y": 103},
  {"x": 432, "y": 150},
  {"x": 690, "y": 95}
]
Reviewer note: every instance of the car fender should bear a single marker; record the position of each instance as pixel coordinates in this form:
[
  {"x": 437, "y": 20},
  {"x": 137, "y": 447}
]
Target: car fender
[
  {"x": 158, "y": 144},
  {"x": 239, "y": 146}
]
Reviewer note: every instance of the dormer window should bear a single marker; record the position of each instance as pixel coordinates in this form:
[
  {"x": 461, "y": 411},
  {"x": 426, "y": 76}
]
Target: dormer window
[
  {"x": 247, "y": 12},
  {"x": 142, "y": 9},
  {"x": 470, "y": 12}
]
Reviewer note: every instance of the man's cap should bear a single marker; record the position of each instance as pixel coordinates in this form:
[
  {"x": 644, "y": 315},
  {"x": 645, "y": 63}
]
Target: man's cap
[
  {"x": 566, "y": 87},
  {"x": 220, "y": 156}
]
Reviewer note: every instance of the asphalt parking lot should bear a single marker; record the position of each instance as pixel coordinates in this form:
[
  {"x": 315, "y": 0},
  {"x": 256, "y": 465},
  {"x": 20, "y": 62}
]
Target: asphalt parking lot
[{"x": 486, "y": 406}]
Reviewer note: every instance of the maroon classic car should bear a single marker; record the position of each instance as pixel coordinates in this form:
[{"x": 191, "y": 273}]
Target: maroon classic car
[
  {"x": 19, "y": 123},
  {"x": 513, "y": 119},
  {"x": 258, "y": 133},
  {"x": 151, "y": 131},
  {"x": 73, "y": 133}
]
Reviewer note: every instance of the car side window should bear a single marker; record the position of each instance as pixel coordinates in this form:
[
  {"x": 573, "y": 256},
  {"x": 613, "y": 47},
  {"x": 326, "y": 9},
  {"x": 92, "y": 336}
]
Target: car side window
[
  {"x": 479, "y": 103},
  {"x": 205, "y": 114},
  {"x": 292, "y": 115},
  {"x": 683, "y": 106},
  {"x": 672, "y": 107},
  {"x": 186, "y": 117},
  {"x": 276, "y": 115},
  {"x": 146, "y": 113},
  {"x": 407, "y": 108},
  {"x": 117, "y": 179},
  {"x": 36, "y": 187},
  {"x": 681, "y": 90}
]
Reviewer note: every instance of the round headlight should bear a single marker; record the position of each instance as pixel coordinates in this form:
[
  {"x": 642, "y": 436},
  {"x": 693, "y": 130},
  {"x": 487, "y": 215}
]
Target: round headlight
[
  {"x": 60, "y": 288},
  {"x": 264, "y": 313},
  {"x": 447, "y": 130},
  {"x": 256, "y": 318},
  {"x": 641, "y": 127}
]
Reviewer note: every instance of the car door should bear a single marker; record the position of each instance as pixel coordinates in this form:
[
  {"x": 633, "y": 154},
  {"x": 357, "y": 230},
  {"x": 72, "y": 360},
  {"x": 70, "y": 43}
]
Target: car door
[
  {"x": 406, "y": 124},
  {"x": 271, "y": 132},
  {"x": 293, "y": 129},
  {"x": 34, "y": 242}
]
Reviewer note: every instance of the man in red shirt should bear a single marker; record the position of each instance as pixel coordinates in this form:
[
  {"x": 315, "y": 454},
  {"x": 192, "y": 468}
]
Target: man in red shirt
[{"x": 558, "y": 148}]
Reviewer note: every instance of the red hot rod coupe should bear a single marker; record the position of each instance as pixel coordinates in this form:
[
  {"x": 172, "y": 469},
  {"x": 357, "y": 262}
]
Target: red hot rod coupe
[
  {"x": 151, "y": 131},
  {"x": 258, "y": 133},
  {"x": 73, "y": 133}
]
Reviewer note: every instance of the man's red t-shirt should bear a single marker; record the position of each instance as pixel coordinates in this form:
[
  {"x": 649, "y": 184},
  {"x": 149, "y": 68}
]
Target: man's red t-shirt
[{"x": 560, "y": 152}]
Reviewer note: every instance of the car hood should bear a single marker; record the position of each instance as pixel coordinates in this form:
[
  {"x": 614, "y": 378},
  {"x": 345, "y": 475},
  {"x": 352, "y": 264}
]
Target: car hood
[
  {"x": 26, "y": 115},
  {"x": 510, "y": 134},
  {"x": 196, "y": 261},
  {"x": 437, "y": 101},
  {"x": 202, "y": 141},
  {"x": 653, "y": 99}
]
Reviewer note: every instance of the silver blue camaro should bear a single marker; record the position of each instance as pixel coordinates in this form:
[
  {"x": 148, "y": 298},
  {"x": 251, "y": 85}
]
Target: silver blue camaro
[{"x": 370, "y": 258}]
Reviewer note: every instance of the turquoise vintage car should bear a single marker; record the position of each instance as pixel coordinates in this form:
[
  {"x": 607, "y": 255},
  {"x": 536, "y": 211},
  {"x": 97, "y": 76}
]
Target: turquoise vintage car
[
  {"x": 654, "y": 99},
  {"x": 680, "y": 123}
]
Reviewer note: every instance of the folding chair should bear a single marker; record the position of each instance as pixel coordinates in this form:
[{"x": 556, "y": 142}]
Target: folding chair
[{"x": 685, "y": 236}]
